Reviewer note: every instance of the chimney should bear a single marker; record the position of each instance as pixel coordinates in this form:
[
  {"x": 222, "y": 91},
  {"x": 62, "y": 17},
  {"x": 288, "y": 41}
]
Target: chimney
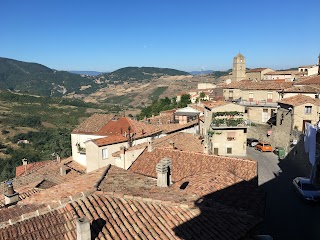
[
  {"x": 83, "y": 229},
  {"x": 58, "y": 158},
  {"x": 24, "y": 162},
  {"x": 63, "y": 170},
  {"x": 172, "y": 144},
  {"x": 164, "y": 171},
  {"x": 10, "y": 197},
  {"x": 150, "y": 146}
]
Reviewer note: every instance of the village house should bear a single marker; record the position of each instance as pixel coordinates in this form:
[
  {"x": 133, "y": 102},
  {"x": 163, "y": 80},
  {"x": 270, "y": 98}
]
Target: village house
[
  {"x": 223, "y": 129},
  {"x": 94, "y": 140},
  {"x": 295, "y": 111},
  {"x": 259, "y": 98},
  {"x": 286, "y": 75},
  {"x": 309, "y": 70},
  {"x": 257, "y": 74}
]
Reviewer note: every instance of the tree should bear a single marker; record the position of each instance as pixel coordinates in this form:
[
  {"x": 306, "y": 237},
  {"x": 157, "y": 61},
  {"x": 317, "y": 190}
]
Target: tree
[{"x": 202, "y": 95}]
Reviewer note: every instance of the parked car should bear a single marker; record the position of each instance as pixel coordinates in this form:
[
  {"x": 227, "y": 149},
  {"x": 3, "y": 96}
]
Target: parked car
[
  {"x": 264, "y": 147},
  {"x": 306, "y": 189},
  {"x": 252, "y": 142}
]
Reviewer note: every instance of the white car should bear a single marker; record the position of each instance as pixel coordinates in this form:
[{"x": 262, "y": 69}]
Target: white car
[{"x": 306, "y": 189}]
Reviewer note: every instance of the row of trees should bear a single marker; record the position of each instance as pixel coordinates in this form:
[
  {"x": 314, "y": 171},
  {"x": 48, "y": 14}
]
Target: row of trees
[{"x": 164, "y": 104}]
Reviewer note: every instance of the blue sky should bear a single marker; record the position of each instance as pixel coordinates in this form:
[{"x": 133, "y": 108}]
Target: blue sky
[{"x": 183, "y": 34}]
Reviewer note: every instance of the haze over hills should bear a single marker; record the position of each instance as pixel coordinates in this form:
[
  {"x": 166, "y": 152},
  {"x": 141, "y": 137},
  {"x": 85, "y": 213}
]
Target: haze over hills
[
  {"x": 34, "y": 78},
  {"x": 89, "y": 73}
]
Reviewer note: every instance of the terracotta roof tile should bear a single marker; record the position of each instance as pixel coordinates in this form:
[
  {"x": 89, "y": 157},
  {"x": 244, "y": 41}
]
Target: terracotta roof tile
[
  {"x": 109, "y": 140},
  {"x": 284, "y": 72},
  {"x": 64, "y": 190},
  {"x": 190, "y": 163},
  {"x": 121, "y": 218},
  {"x": 174, "y": 127},
  {"x": 93, "y": 124},
  {"x": 23, "y": 169},
  {"x": 49, "y": 171},
  {"x": 303, "y": 89},
  {"x": 213, "y": 104},
  {"x": 300, "y": 99},
  {"x": 259, "y": 85},
  {"x": 309, "y": 80},
  {"x": 256, "y": 70}
]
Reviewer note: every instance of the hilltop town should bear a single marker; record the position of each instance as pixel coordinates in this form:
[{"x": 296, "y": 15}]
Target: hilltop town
[{"x": 189, "y": 172}]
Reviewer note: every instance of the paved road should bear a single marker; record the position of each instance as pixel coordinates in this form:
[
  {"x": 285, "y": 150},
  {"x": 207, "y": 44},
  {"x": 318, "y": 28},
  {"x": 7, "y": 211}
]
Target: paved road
[
  {"x": 267, "y": 164},
  {"x": 287, "y": 216}
]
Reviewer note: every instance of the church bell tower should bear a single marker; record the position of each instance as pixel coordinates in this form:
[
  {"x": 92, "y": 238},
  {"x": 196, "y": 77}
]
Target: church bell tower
[{"x": 239, "y": 68}]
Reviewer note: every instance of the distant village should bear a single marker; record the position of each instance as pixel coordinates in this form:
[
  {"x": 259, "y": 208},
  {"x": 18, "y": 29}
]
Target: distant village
[{"x": 184, "y": 174}]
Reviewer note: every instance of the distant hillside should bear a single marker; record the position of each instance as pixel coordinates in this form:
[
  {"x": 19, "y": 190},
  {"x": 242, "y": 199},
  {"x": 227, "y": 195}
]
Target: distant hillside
[
  {"x": 138, "y": 74},
  {"x": 89, "y": 73},
  {"x": 201, "y": 72},
  {"x": 38, "y": 79},
  {"x": 218, "y": 74}
]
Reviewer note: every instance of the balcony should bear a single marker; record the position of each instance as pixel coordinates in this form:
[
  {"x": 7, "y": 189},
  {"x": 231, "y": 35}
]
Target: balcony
[{"x": 260, "y": 103}]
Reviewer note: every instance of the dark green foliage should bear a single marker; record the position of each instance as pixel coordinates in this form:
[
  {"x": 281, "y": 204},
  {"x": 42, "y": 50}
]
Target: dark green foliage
[
  {"x": 218, "y": 74},
  {"x": 42, "y": 145},
  {"x": 231, "y": 122},
  {"x": 163, "y": 104},
  {"x": 136, "y": 74},
  {"x": 38, "y": 79},
  {"x": 157, "y": 92}
]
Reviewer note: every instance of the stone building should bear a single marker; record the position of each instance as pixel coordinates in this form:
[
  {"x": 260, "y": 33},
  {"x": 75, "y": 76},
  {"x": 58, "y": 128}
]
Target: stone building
[
  {"x": 300, "y": 109},
  {"x": 239, "y": 68},
  {"x": 224, "y": 139}
]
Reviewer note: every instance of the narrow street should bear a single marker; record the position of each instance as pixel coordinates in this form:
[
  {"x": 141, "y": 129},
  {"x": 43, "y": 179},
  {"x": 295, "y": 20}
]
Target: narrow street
[{"x": 287, "y": 215}]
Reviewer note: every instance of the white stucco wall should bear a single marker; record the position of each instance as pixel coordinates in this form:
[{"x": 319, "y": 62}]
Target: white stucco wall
[{"x": 81, "y": 139}]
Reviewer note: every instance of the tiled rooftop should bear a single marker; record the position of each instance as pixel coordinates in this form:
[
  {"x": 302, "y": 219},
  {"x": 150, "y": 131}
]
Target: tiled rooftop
[
  {"x": 216, "y": 203},
  {"x": 50, "y": 171},
  {"x": 309, "y": 80},
  {"x": 93, "y": 124},
  {"x": 300, "y": 99},
  {"x": 213, "y": 104},
  {"x": 256, "y": 70},
  {"x": 259, "y": 85},
  {"x": 182, "y": 141},
  {"x": 72, "y": 187},
  {"x": 124, "y": 218},
  {"x": 285, "y": 72},
  {"x": 303, "y": 89},
  {"x": 174, "y": 127},
  {"x": 189, "y": 163},
  {"x": 23, "y": 169},
  {"x": 109, "y": 140}
]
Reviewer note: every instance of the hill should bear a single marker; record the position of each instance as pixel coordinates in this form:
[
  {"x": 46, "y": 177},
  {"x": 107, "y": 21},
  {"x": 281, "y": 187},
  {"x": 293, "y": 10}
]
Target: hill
[
  {"x": 89, "y": 73},
  {"x": 37, "y": 79},
  {"x": 139, "y": 74},
  {"x": 201, "y": 72}
]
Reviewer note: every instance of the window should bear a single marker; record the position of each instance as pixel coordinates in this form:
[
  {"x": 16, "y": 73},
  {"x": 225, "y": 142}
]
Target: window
[
  {"x": 307, "y": 109},
  {"x": 250, "y": 96},
  {"x": 231, "y": 136},
  {"x": 269, "y": 97},
  {"x": 230, "y": 94},
  {"x": 105, "y": 153},
  {"x": 216, "y": 151},
  {"x": 229, "y": 150}
]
